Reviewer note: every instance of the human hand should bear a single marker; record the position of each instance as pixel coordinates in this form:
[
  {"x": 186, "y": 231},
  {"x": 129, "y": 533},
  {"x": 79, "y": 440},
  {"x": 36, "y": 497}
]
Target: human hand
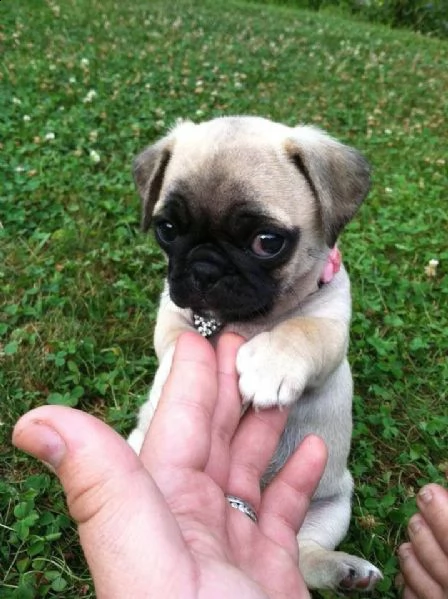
[
  {"x": 424, "y": 560},
  {"x": 158, "y": 525}
]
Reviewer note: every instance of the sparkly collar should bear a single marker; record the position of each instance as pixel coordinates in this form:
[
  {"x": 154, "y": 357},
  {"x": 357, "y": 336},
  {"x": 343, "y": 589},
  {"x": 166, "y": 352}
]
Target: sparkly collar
[{"x": 208, "y": 327}]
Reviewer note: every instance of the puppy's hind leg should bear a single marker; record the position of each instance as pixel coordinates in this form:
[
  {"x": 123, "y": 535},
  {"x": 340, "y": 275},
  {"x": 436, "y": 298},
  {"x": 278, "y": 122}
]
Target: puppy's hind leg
[{"x": 325, "y": 526}]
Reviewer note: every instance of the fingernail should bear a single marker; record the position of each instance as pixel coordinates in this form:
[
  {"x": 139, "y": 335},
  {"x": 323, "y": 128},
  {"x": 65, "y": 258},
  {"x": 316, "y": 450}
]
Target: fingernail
[
  {"x": 403, "y": 552},
  {"x": 41, "y": 441},
  {"x": 415, "y": 524},
  {"x": 425, "y": 495}
]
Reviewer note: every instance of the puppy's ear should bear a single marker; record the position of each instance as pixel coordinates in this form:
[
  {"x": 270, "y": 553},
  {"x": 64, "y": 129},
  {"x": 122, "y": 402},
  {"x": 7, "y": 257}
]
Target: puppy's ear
[
  {"x": 149, "y": 169},
  {"x": 338, "y": 175}
]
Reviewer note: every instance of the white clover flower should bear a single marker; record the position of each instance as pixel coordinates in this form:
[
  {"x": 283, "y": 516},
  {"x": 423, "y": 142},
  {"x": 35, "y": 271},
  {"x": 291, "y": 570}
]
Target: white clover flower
[
  {"x": 84, "y": 62},
  {"x": 20, "y": 169},
  {"x": 93, "y": 135},
  {"x": 72, "y": 80},
  {"x": 388, "y": 189},
  {"x": 431, "y": 268},
  {"x": 94, "y": 156},
  {"x": 91, "y": 95},
  {"x": 16, "y": 101},
  {"x": 49, "y": 136},
  {"x": 26, "y": 118}
]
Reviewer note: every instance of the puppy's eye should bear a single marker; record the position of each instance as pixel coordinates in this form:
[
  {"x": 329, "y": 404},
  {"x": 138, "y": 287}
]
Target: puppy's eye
[
  {"x": 267, "y": 245},
  {"x": 166, "y": 231}
]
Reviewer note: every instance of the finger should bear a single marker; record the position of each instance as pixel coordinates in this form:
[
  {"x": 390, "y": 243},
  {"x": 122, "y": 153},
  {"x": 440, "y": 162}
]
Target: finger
[
  {"x": 251, "y": 451},
  {"x": 179, "y": 436},
  {"x": 109, "y": 494},
  {"x": 286, "y": 499},
  {"x": 432, "y": 501},
  {"x": 228, "y": 409},
  {"x": 408, "y": 594},
  {"x": 399, "y": 582},
  {"x": 416, "y": 578},
  {"x": 428, "y": 551}
]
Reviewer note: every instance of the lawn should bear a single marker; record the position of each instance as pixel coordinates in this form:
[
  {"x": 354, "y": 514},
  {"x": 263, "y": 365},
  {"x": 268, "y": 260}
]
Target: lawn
[{"x": 84, "y": 86}]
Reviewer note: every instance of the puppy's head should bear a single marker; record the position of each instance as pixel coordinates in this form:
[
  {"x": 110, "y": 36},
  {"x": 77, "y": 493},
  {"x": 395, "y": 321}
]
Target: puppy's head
[{"x": 246, "y": 210}]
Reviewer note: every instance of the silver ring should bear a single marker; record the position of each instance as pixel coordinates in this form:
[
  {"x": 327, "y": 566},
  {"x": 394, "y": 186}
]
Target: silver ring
[{"x": 242, "y": 506}]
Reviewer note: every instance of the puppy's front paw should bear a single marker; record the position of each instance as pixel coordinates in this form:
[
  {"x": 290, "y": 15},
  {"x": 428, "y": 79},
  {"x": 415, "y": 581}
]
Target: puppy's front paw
[{"x": 270, "y": 374}]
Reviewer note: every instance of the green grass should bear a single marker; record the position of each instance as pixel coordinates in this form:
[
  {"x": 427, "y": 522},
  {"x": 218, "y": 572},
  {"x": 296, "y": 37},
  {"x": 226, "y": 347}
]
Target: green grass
[
  {"x": 79, "y": 284},
  {"x": 428, "y": 18}
]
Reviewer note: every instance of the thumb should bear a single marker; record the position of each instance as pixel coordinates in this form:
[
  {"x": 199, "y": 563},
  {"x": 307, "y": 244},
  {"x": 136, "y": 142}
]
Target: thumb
[{"x": 110, "y": 495}]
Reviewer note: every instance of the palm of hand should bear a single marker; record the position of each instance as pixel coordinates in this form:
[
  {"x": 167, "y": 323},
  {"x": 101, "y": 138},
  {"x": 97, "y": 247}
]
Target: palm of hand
[{"x": 227, "y": 554}]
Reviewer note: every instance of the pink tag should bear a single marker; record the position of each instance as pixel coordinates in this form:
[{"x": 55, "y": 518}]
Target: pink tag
[{"x": 332, "y": 265}]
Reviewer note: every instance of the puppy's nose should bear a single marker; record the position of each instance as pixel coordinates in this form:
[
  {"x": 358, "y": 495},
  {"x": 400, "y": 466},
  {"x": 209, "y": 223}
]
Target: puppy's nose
[{"x": 205, "y": 274}]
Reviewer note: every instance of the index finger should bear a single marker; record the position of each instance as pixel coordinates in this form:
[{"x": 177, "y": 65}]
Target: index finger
[
  {"x": 228, "y": 409},
  {"x": 179, "y": 435}
]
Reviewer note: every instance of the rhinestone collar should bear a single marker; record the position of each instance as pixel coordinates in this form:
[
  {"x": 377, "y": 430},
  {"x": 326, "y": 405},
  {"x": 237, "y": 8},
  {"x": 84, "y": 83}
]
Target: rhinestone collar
[{"x": 207, "y": 326}]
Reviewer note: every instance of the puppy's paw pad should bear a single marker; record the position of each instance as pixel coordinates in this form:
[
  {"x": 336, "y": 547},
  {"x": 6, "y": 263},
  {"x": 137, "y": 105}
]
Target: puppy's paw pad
[
  {"x": 324, "y": 569},
  {"x": 362, "y": 577}
]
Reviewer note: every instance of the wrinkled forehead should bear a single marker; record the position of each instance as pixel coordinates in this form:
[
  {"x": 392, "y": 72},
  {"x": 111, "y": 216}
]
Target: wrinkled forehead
[{"x": 218, "y": 177}]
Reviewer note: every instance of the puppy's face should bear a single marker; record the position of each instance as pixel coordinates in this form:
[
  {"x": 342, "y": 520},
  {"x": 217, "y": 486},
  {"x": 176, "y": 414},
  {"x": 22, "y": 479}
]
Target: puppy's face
[{"x": 246, "y": 210}]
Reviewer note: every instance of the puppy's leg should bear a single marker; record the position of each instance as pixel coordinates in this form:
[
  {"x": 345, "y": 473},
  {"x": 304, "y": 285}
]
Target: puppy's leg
[
  {"x": 325, "y": 526},
  {"x": 171, "y": 323},
  {"x": 276, "y": 366},
  {"x": 148, "y": 409}
]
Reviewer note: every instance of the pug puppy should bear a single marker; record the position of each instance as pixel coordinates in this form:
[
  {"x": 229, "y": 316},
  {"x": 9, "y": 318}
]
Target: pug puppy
[{"x": 248, "y": 212}]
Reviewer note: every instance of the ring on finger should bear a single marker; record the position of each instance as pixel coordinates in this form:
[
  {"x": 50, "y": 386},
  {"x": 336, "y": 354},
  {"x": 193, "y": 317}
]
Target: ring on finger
[{"x": 243, "y": 506}]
